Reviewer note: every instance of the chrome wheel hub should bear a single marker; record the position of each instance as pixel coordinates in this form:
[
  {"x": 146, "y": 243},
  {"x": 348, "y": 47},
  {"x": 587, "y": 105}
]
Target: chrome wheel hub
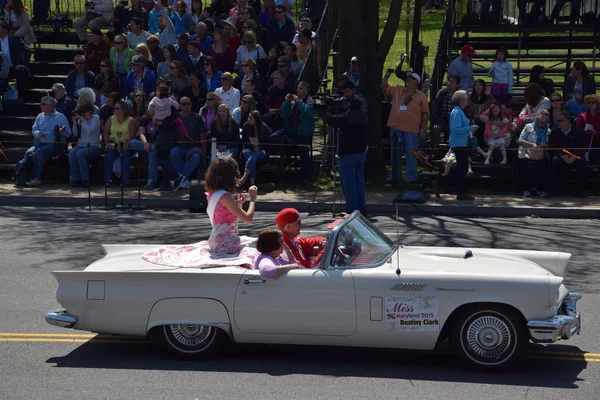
[
  {"x": 488, "y": 337},
  {"x": 191, "y": 335}
]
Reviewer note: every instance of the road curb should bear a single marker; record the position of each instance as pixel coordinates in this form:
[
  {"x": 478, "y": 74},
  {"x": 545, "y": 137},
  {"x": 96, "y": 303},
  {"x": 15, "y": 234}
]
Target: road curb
[{"x": 457, "y": 210}]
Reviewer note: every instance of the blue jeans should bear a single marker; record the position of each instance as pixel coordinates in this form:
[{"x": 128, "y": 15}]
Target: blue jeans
[
  {"x": 404, "y": 143},
  {"x": 109, "y": 158},
  {"x": 251, "y": 158},
  {"x": 352, "y": 171},
  {"x": 186, "y": 160},
  {"x": 43, "y": 153},
  {"x": 575, "y": 107},
  {"x": 79, "y": 161},
  {"x": 136, "y": 146}
]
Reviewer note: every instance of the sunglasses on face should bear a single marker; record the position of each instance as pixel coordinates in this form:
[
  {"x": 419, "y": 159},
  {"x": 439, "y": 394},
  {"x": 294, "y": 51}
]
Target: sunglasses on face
[
  {"x": 278, "y": 12},
  {"x": 244, "y": 65},
  {"x": 103, "y": 65},
  {"x": 171, "y": 67},
  {"x": 138, "y": 95},
  {"x": 556, "y": 100},
  {"x": 210, "y": 99},
  {"x": 119, "y": 42},
  {"x": 135, "y": 65},
  {"x": 138, "y": 51},
  {"x": 207, "y": 64},
  {"x": 591, "y": 102}
]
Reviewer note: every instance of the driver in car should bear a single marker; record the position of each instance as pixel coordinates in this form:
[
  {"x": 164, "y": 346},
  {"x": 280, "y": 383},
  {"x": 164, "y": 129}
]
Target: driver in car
[{"x": 307, "y": 251}]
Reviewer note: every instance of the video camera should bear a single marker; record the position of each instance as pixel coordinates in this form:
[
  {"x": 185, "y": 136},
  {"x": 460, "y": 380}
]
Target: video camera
[{"x": 334, "y": 104}]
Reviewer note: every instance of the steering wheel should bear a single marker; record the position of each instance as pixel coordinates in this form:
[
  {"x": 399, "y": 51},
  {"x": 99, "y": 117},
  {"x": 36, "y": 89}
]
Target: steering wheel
[{"x": 341, "y": 255}]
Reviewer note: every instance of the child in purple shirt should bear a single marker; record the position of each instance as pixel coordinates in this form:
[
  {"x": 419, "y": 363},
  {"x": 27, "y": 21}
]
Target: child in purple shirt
[{"x": 270, "y": 264}]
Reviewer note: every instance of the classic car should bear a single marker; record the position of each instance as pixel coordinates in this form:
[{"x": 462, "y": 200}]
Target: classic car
[{"x": 489, "y": 304}]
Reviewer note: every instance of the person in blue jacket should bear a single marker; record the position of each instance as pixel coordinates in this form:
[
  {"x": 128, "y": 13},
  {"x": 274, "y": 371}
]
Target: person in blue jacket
[
  {"x": 140, "y": 77},
  {"x": 460, "y": 135},
  {"x": 79, "y": 78}
]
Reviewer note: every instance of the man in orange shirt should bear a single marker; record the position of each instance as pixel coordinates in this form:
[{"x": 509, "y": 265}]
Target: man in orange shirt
[
  {"x": 289, "y": 220},
  {"x": 407, "y": 122}
]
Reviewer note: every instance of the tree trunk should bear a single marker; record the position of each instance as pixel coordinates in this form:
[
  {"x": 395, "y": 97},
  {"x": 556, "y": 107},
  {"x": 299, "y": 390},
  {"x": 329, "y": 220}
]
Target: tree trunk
[{"x": 359, "y": 36}]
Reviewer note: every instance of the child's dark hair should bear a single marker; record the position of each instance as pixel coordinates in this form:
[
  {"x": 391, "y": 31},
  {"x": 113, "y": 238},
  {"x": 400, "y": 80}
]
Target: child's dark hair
[
  {"x": 503, "y": 50},
  {"x": 492, "y": 117},
  {"x": 269, "y": 239},
  {"x": 163, "y": 91},
  {"x": 222, "y": 174}
]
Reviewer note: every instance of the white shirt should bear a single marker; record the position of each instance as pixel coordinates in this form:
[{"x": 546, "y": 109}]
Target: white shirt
[
  {"x": 6, "y": 50},
  {"x": 231, "y": 97}
]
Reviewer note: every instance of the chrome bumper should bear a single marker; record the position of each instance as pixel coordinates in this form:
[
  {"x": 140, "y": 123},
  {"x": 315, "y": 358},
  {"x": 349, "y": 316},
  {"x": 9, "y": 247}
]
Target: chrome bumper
[
  {"x": 562, "y": 326},
  {"x": 61, "y": 318}
]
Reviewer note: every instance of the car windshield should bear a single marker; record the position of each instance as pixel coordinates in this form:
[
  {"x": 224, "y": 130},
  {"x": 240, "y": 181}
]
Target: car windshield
[{"x": 359, "y": 243}]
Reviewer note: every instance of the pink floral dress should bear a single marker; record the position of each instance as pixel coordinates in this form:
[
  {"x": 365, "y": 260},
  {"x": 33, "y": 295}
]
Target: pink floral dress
[{"x": 224, "y": 246}]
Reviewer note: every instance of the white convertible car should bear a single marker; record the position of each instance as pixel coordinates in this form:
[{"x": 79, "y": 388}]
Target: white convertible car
[{"x": 369, "y": 292}]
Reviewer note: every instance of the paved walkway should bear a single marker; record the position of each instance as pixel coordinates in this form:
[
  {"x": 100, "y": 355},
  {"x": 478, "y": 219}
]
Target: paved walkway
[{"x": 302, "y": 198}]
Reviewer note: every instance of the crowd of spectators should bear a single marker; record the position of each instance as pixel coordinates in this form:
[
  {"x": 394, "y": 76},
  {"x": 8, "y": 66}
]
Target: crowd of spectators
[
  {"x": 231, "y": 71},
  {"x": 550, "y": 130}
]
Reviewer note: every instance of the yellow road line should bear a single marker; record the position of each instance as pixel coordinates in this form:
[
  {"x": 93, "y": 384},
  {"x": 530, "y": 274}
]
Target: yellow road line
[
  {"x": 74, "y": 340},
  {"x": 90, "y": 335},
  {"x": 587, "y": 359},
  {"x": 565, "y": 353}
]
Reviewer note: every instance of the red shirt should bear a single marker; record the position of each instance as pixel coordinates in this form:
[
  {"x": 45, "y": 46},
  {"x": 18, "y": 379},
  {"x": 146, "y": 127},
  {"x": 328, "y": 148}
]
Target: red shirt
[
  {"x": 303, "y": 248},
  {"x": 587, "y": 118}
]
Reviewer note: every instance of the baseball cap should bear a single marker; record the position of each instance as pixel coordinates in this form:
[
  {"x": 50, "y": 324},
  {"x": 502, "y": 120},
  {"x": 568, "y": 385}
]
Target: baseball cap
[
  {"x": 58, "y": 87},
  {"x": 97, "y": 32},
  {"x": 414, "y": 76},
  {"x": 287, "y": 216},
  {"x": 467, "y": 48}
]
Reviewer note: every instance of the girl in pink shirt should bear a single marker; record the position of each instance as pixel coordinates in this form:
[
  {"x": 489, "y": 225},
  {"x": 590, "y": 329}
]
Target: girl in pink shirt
[{"x": 497, "y": 131}]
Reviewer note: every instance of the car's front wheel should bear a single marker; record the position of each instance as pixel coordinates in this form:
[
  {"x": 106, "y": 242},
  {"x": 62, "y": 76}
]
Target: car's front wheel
[
  {"x": 192, "y": 341},
  {"x": 489, "y": 337}
]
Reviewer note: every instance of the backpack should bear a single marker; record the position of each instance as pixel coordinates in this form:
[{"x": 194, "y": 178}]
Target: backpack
[{"x": 24, "y": 169}]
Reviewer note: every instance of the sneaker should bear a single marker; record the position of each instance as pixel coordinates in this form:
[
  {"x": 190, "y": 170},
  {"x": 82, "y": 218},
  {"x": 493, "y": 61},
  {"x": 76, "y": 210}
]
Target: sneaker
[
  {"x": 149, "y": 185},
  {"x": 487, "y": 161},
  {"x": 465, "y": 197},
  {"x": 185, "y": 185},
  {"x": 34, "y": 182},
  {"x": 526, "y": 194},
  {"x": 177, "y": 183},
  {"x": 437, "y": 188},
  {"x": 75, "y": 184}
]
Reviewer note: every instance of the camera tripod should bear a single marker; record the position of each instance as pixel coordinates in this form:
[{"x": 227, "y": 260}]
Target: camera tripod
[{"x": 330, "y": 162}]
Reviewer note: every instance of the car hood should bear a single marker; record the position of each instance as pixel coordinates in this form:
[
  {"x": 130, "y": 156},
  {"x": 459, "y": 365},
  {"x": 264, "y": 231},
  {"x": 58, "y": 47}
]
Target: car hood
[{"x": 483, "y": 261}]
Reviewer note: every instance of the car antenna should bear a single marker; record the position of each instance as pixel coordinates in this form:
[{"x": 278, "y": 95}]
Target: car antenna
[{"x": 398, "y": 246}]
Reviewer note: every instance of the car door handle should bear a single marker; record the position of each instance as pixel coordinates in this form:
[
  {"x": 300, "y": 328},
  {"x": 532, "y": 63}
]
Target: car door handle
[{"x": 247, "y": 281}]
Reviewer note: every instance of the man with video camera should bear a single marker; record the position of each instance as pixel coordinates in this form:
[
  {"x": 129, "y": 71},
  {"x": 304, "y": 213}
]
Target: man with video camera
[{"x": 353, "y": 125}]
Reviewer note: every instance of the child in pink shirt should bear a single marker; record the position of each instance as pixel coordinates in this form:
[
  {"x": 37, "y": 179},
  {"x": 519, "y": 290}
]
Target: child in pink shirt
[
  {"x": 497, "y": 131},
  {"x": 163, "y": 110}
]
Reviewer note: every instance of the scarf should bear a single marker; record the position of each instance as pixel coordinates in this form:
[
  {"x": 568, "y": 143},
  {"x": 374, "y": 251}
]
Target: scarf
[{"x": 541, "y": 133}]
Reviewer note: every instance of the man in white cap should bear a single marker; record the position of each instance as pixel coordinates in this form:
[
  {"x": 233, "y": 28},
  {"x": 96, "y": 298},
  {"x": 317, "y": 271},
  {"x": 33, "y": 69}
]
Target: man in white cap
[{"x": 407, "y": 122}]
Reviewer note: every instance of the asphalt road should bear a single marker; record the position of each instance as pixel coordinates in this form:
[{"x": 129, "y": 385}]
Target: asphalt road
[{"x": 38, "y": 361}]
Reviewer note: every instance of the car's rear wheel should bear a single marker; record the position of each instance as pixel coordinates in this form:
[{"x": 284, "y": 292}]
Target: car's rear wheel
[
  {"x": 192, "y": 341},
  {"x": 489, "y": 337}
]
